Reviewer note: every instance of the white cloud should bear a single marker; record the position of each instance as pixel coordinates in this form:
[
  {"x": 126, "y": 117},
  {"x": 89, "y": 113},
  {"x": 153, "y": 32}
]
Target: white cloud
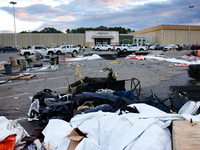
[
  {"x": 139, "y": 2},
  {"x": 24, "y": 3},
  {"x": 8, "y": 23}
]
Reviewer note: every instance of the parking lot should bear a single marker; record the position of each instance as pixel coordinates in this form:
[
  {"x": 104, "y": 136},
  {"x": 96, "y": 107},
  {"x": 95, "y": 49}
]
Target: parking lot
[{"x": 153, "y": 75}]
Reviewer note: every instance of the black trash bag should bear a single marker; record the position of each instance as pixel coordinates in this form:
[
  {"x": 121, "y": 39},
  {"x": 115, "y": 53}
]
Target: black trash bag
[
  {"x": 46, "y": 93},
  {"x": 153, "y": 100},
  {"x": 178, "y": 99},
  {"x": 62, "y": 110}
]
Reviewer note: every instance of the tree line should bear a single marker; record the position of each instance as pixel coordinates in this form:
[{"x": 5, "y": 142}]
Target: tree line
[{"x": 79, "y": 30}]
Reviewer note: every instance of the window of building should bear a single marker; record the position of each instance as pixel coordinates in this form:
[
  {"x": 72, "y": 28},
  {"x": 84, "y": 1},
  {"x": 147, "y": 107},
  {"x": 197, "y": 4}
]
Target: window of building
[
  {"x": 102, "y": 41},
  {"x": 139, "y": 41},
  {"x": 144, "y": 41}
]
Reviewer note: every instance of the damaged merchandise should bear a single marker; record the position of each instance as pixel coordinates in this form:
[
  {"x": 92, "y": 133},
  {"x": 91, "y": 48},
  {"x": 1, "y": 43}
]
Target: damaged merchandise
[
  {"x": 100, "y": 113},
  {"x": 106, "y": 107}
]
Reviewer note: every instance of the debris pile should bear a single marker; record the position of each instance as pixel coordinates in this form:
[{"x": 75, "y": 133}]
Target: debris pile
[{"x": 99, "y": 113}]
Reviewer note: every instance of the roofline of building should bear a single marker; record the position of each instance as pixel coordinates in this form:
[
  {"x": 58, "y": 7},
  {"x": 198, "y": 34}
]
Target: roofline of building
[
  {"x": 167, "y": 27},
  {"x": 102, "y": 30}
]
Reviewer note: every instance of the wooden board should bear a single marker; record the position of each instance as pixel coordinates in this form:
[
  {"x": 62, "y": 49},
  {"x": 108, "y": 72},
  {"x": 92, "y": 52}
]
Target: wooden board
[
  {"x": 12, "y": 62},
  {"x": 23, "y": 77},
  {"x": 185, "y": 136}
]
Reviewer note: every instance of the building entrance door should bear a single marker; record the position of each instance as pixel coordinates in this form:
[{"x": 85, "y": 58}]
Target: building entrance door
[{"x": 102, "y": 41}]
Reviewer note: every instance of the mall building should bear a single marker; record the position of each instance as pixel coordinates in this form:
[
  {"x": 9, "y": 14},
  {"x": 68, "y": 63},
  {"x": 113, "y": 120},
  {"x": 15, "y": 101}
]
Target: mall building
[
  {"x": 172, "y": 34},
  {"x": 162, "y": 35},
  {"x": 102, "y": 35}
]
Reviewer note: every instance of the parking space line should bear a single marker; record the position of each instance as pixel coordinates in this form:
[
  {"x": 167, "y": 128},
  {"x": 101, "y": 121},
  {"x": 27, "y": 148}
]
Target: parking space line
[
  {"x": 26, "y": 93},
  {"x": 38, "y": 80}
]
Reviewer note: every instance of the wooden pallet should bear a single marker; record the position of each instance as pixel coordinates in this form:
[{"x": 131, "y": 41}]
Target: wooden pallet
[{"x": 23, "y": 77}]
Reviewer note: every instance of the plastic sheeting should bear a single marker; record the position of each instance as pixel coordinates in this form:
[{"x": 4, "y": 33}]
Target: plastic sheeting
[
  {"x": 93, "y": 57},
  {"x": 152, "y": 57},
  {"x": 11, "y": 127},
  {"x": 107, "y": 131}
]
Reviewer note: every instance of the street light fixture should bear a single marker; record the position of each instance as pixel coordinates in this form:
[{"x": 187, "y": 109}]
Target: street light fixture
[
  {"x": 12, "y": 2},
  {"x": 189, "y": 25}
]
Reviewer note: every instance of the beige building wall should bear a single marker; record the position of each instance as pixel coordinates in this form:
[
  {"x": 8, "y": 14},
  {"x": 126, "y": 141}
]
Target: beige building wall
[
  {"x": 92, "y": 34},
  {"x": 158, "y": 35},
  {"x": 46, "y": 39},
  {"x": 172, "y": 34}
]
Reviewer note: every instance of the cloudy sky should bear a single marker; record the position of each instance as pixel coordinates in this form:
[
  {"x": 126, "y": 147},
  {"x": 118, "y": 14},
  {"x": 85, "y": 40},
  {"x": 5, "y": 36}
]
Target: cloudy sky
[{"x": 72, "y": 14}]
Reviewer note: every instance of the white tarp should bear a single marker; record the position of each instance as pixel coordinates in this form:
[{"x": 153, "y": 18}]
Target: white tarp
[
  {"x": 153, "y": 57},
  {"x": 107, "y": 131},
  {"x": 93, "y": 57}
]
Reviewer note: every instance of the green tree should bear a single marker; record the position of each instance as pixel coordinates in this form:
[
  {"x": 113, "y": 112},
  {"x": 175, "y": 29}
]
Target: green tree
[
  {"x": 74, "y": 31},
  {"x": 35, "y": 31},
  {"x": 80, "y": 30},
  {"x": 24, "y": 32},
  {"x": 129, "y": 30},
  {"x": 50, "y": 30},
  {"x": 68, "y": 31}
]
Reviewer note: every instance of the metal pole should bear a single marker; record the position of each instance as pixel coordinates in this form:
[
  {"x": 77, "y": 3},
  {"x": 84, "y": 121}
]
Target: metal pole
[
  {"x": 14, "y": 22},
  {"x": 189, "y": 25}
]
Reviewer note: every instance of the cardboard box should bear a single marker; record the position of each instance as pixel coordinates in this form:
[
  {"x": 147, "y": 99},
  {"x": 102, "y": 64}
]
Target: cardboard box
[
  {"x": 185, "y": 136},
  {"x": 76, "y": 137}
]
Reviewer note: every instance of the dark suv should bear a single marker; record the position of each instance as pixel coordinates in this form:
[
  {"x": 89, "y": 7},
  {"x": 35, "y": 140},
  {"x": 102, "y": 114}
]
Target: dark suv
[
  {"x": 192, "y": 46},
  {"x": 8, "y": 49}
]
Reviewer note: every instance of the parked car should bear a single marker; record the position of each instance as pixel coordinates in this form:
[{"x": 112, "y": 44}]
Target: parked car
[
  {"x": 93, "y": 47},
  {"x": 191, "y": 46},
  {"x": 104, "y": 47},
  {"x": 149, "y": 45},
  {"x": 136, "y": 47},
  {"x": 156, "y": 47},
  {"x": 180, "y": 47},
  {"x": 169, "y": 47},
  {"x": 67, "y": 49},
  {"x": 159, "y": 47},
  {"x": 152, "y": 47},
  {"x": 195, "y": 47},
  {"x": 37, "y": 49},
  {"x": 8, "y": 49},
  {"x": 121, "y": 47}
]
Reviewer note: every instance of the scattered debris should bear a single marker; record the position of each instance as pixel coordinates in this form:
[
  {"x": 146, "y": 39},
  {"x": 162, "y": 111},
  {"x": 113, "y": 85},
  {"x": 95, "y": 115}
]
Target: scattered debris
[
  {"x": 170, "y": 66},
  {"x": 43, "y": 69},
  {"x": 23, "y": 77},
  {"x": 17, "y": 109},
  {"x": 192, "y": 123}
]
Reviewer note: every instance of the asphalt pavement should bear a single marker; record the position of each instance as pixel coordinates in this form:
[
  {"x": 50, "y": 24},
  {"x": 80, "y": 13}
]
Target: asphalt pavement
[{"x": 154, "y": 75}]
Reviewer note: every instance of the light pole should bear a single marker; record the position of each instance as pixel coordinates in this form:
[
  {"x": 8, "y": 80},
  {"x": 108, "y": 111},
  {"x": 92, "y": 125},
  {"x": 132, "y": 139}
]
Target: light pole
[
  {"x": 189, "y": 25},
  {"x": 12, "y": 2}
]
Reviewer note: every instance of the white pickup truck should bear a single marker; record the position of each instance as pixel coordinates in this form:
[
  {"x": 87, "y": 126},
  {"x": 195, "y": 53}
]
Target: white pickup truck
[
  {"x": 136, "y": 47},
  {"x": 121, "y": 47},
  {"x": 133, "y": 48},
  {"x": 37, "y": 48},
  {"x": 67, "y": 49},
  {"x": 104, "y": 47}
]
